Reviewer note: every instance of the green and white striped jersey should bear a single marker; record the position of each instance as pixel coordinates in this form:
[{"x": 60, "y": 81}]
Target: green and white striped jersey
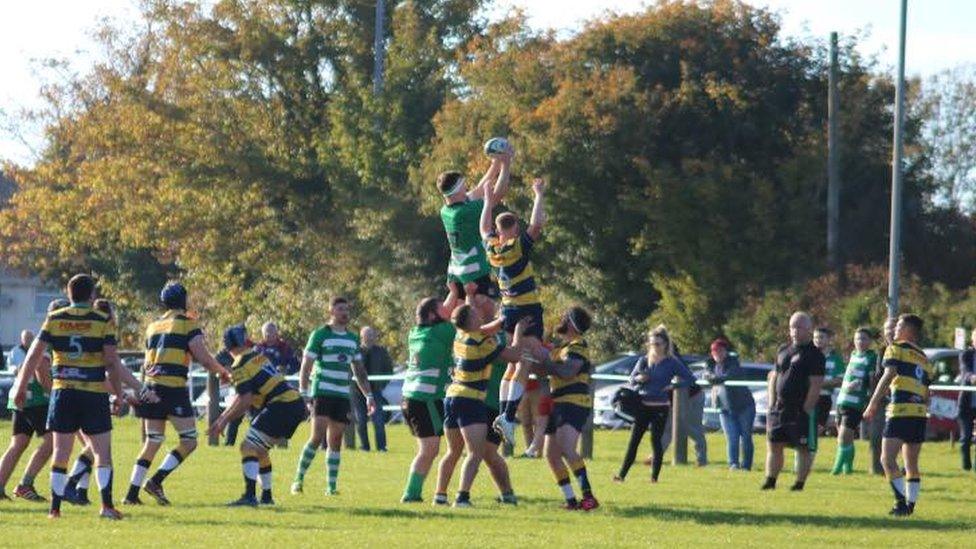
[
  {"x": 430, "y": 362},
  {"x": 857, "y": 380},
  {"x": 333, "y": 352}
]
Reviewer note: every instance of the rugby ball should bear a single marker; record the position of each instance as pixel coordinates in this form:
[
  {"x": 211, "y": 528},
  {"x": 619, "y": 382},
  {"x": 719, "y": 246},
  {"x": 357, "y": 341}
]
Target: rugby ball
[{"x": 496, "y": 146}]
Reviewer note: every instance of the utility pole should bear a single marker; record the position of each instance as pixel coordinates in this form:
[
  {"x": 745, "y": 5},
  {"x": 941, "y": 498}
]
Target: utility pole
[
  {"x": 379, "y": 46},
  {"x": 834, "y": 260},
  {"x": 894, "y": 245}
]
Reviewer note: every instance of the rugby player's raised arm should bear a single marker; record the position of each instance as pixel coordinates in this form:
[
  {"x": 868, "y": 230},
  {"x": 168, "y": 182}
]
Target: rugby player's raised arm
[
  {"x": 538, "y": 219},
  {"x": 504, "y": 176},
  {"x": 198, "y": 348},
  {"x": 478, "y": 191},
  {"x": 486, "y": 225},
  {"x": 35, "y": 355}
]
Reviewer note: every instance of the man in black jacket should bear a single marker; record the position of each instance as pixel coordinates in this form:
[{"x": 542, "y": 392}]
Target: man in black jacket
[{"x": 967, "y": 403}]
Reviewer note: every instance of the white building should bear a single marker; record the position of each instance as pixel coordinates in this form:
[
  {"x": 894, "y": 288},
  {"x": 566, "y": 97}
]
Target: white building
[{"x": 23, "y": 305}]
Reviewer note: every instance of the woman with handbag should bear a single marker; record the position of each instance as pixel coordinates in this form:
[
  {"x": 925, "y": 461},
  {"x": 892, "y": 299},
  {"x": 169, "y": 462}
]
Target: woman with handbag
[{"x": 652, "y": 380}]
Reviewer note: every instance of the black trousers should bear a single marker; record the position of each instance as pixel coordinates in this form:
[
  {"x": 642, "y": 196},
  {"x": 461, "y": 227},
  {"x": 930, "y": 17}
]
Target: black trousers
[
  {"x": 965, "y": 420},
  {"x": 655, "y": 418}
]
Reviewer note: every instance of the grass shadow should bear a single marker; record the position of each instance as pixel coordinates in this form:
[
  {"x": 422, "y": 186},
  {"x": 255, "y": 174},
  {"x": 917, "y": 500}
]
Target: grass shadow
[{"x": 748, "y": 518}]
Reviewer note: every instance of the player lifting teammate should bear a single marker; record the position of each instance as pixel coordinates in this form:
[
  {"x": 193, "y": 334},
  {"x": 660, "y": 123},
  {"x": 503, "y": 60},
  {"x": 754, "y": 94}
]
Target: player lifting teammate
[
  {"x": 171, "y": 341},
  {"x": 333, "y": 350},
  {"x": 475, "y": 348},
  {"x": 428, "y": 373},
  {"x": 908, "y": 372},
  {"x": 277, "y": 410},
  {"x": 509, "y": 248},
  {"x": 569, "y": 369},
  {"x": 83, "y": 345}
]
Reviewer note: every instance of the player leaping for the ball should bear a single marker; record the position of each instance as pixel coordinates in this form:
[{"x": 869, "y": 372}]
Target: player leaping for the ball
[
  {"x": 461, "y": 214},
  {"x": 509, "y": 248}
]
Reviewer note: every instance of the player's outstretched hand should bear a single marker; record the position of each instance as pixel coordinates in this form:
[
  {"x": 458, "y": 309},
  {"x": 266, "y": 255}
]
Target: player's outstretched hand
[
  {"x": 538, "y": 186},
  {"x": 224, "y": 375}
]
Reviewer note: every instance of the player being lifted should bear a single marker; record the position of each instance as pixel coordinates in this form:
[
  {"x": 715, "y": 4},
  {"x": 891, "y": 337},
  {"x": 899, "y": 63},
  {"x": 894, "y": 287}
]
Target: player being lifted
[
  {"x": 908, "y": 372},
  {"x": 569, "y": 371},
  {"x": 333, "y": 349},
  {"x": 461, "y": 214},
  {"x": 171, "y": 341},
  {"x": 83, "y": 345},
  {"x": 509, "y": 249},
  {"x": 277, "y": 410}
]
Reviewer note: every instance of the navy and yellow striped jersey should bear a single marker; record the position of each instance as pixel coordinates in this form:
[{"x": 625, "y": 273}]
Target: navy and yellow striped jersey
[
  {"x": 168, "y": 349},
  {"x": 77, "y": 337},
  {"x": 516, "y": 278},
  {"x": 253, "y": 373},
  {"x": 910, "y": 388},
  {"x": 575, "y": 389},
  {"x": 473, "y": 354}
]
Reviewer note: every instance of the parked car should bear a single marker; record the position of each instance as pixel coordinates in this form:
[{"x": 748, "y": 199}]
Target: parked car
[
  {"x": 624, "y": 364},
  {"x": 943, "y": 405}
]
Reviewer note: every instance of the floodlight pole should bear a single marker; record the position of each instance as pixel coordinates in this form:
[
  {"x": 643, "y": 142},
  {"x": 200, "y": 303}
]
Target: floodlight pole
[{"x": 894, "y": 250}]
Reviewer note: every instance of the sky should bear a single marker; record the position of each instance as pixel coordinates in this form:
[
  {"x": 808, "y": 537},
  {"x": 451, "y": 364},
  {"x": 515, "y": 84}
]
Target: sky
[{"x": 940, "y": 35}]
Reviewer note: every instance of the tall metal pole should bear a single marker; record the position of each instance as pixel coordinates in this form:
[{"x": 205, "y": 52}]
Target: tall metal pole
[
  {"x": 833, "y": 169},
  {"x": 894, "y": 248},
  {"x": 379, "y": 46}
]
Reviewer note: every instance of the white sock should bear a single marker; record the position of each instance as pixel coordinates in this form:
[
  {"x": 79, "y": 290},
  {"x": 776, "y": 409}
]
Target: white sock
[
  {"x": 78, "y": 468},
  {"x": 568, "y": 490},
  {"x": 516, "y": 391},
  {"x": 83, "y": 481},
  {"x": 266, "y": 481},
  {"x": 914, "y": 485},
  {"x": 138, "y": 475},
  {"x": 169, "y": 463},
  {"x": 503, "y": 390},
  {"x": 251, "y": 469},
  {"x": 899, "y": 484},
  {"x": 104, "y": 476},
  {"x": 58, "y": 482}
]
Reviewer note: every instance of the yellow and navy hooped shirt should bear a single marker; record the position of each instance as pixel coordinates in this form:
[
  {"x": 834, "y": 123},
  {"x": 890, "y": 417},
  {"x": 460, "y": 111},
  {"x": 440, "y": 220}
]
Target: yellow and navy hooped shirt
[
  {"x": 168, "y": 349},
  {"x": 253, "y": 373},
  {"x": 516, "y": 278},
  {"x": 473, "y": 354},
  {"x": 910, "y": 388},
  {"x": 573, "y": 390},
  {"x": 77, "y": 336}
]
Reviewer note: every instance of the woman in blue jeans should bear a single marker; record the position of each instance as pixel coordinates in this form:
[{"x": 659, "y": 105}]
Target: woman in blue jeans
[{"x": 736, "y": 405}]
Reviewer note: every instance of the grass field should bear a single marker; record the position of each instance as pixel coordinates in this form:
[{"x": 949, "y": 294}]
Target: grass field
[{"x": 689, "y": 507}]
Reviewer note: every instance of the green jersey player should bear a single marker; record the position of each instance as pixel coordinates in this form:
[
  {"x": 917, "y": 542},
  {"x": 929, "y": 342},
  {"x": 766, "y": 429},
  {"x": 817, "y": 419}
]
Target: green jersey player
[{"x": 853, "y": 398}]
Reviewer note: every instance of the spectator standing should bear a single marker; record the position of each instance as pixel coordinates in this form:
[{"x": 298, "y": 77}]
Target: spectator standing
[
  {"x": 377, "y": 361},
  {"x": 651, "y": 379},
  {"x": 737, "y": 408},
  {"x": 967, "y": 403},
  {"x": 277, "y": 350},
  {"x": 823, "y": 339},
  {"x": 793, "y": 388}
]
